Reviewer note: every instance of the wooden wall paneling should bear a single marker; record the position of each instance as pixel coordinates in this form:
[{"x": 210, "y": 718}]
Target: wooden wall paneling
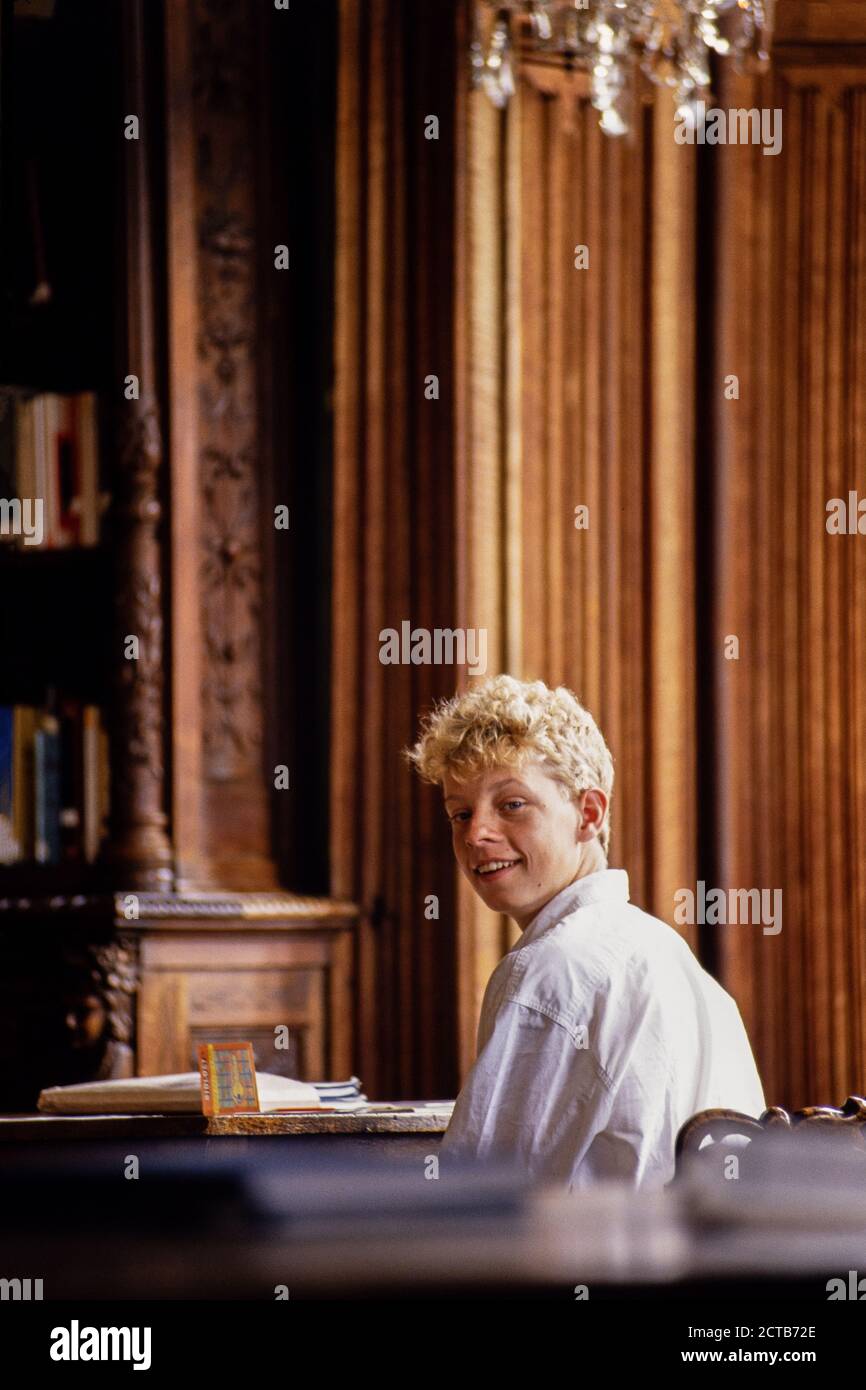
[
  {"x": 341, "y": 985},
  {"x": 349, "y": 834},
  {"x": 578, "y": 390},
  {"x": 767, "y": 470},
  {"x": 345, "y": 849},
  {"x": 162, "y": 1025},
  {"x": 835, "y": 626},
  {"x": 220, "y": 787},
  {"x": 557, "y": 270},
  {"x": 671, "y": 522},
  {"x": 815, "y": 557},
  {"x": 483, "y": 487},
  {"x": 232, "y": 447},
  {"x": 534, "y": 116},
  {"x": 512, "y": 656},
  {"x": 790, "y": 713},
  {"x": 623, "y": 330},
  {"x": 856, "y": 557},
  {"x": 803, "y": 22},
  {"x": 788, "y": 469},
  {"x": 393, "y": 529},
  {"x": 615, "y": 424},
  {"x": 733, "y": 580},
  {"x": 513, "y": 603},
  {"x": 139, "y": 849},
  {"x": 587, "y": 676},
  {"x": 432, "y": 309},
  {"x": 379, "y": 561},
  {"x": 632, "y": 808},
  {"x": 182, "y": 334},
  {"x": 236, "y": 981}
]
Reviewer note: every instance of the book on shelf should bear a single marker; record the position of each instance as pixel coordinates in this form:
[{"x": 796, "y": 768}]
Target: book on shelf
[
  {"x": 53, "y": 783},
  {"x": 50, "y": 492}
]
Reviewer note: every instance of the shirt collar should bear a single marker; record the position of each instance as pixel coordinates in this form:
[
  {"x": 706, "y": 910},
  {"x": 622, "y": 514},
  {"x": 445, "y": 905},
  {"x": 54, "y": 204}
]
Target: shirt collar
[{"x": 605, "y": 885}]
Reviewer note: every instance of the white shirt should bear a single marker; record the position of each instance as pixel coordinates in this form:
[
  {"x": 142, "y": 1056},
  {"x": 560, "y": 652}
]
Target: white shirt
[{"x": 600, "y": 1035}]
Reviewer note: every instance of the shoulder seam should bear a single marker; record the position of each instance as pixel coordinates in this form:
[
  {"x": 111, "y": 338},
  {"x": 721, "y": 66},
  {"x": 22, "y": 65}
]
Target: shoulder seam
[{"x": 606, "y": 1080}]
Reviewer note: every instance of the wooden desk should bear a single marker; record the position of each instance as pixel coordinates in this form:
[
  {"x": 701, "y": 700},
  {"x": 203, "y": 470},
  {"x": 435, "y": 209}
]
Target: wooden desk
[{"x": 424, "y": 1124}]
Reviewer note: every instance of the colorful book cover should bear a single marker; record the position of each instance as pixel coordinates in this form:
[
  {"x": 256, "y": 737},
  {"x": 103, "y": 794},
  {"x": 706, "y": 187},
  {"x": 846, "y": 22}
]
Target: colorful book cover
[
  {"x": 67, "y": 467},
  {"x": 25, "y": 448},
  {"x": 228, "y": 1079},
  {"x": 71, "y": 780}
]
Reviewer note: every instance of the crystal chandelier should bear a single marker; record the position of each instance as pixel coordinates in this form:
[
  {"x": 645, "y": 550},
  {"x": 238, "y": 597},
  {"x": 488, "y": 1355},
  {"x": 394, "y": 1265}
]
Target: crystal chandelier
[{"x": 669, "y": 40}]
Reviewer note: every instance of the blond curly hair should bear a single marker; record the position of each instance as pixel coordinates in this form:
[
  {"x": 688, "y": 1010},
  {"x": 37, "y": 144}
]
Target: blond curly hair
[{"x": 507, "y": 721}]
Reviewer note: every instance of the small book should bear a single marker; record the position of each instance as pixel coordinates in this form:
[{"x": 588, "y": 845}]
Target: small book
[
  {"x": 228, "y": 1078},
  {"x": 46, "y": 772}
]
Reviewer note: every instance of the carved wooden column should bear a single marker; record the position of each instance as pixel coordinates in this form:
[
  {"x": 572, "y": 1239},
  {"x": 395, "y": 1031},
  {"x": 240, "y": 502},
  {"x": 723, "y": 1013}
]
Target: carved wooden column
[
  {"x": 219, "y": 491},
  {"x": 139, "y": 847},
  {"x": 230, "y": 442}
]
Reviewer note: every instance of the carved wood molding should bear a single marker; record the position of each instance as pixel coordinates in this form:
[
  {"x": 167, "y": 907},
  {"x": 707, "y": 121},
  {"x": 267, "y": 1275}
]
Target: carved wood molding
[
  {"x": 231, "y": 579},
  {"x": 260, "y": 907},
  {"x": 101, "y": 1015},
  {"x": 139, "y": 597},
  {"x": 833, "y": 80},
  {"x": 835, "y": 22},
  {"x": 139, "y": 846}
]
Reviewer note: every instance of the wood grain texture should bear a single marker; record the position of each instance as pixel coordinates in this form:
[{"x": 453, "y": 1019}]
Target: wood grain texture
[
  {"x": 607, "y": 422},
  {"x": 220, "y": 641},
  {"x": 138, "y": 848},
  {"x": 393, "y": 531},
  {"x": 15, "y": 1128},
  {"x": 605, "y": 387},
  {"x": 182, "y": 333},
  {"x": 487, "y": 456},
  {"x": 791, "y": 712},
  {"x": 246, "y": 984}
]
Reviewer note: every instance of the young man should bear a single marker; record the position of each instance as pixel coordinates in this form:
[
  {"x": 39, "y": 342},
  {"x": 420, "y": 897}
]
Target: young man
[{"x": 600, "y": 1033}]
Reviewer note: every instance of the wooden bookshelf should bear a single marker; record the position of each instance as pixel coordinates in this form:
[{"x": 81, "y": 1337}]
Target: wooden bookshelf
[{"x": 150, "y": 252}]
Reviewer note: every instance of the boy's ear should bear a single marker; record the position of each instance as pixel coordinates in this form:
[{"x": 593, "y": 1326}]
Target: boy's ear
[{"x": 592, "y": 805}]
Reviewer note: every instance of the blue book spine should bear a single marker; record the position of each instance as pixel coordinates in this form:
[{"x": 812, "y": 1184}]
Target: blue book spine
[
  {"x": 8, "y": 847},
  {"x": 46, "y": 751}
]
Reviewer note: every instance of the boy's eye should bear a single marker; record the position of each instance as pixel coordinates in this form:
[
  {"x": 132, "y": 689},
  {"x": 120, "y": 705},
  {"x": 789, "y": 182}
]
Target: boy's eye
[{"x": 515, "y": 803}]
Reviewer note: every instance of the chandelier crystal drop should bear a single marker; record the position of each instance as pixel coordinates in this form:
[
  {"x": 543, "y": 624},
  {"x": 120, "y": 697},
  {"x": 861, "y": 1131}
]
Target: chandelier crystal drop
[{"x": 668, "y": 40}]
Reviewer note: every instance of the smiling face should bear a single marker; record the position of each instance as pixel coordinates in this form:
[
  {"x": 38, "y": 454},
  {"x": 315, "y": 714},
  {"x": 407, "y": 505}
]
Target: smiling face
[{"x": 517, "y": 838}]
